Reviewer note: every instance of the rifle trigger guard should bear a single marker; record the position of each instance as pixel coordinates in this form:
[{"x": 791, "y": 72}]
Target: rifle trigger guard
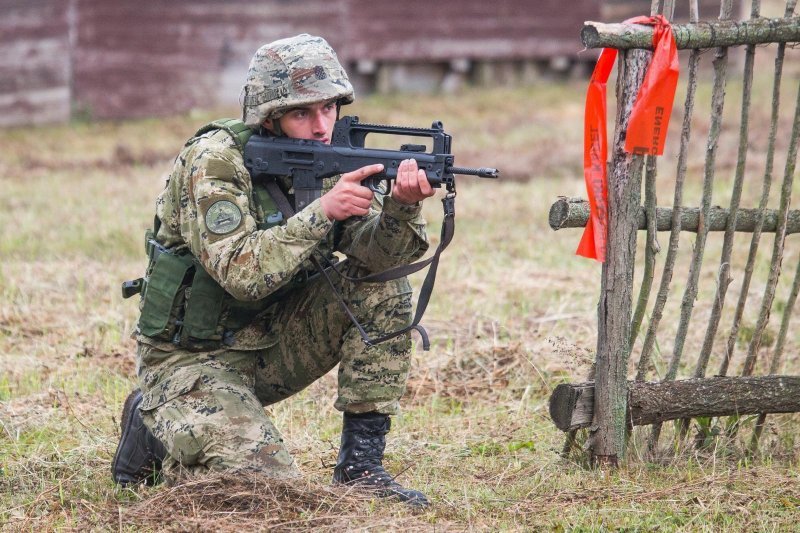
[{"x": 374, "y": 184}]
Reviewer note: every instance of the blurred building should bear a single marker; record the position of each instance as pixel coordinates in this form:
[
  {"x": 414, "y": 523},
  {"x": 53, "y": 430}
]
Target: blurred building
[{"x": 117, "y": 59}]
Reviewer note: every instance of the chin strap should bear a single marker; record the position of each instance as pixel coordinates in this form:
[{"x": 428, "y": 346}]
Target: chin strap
[
  {"x": 448, "y": 230},
  {"x": 276, "y": 127}
]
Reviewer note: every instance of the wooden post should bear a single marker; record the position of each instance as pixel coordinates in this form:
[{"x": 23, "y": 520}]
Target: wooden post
[{"x": 607, "y": 439}]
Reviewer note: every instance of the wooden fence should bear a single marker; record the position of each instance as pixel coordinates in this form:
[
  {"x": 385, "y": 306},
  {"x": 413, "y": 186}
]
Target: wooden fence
[{"x": 613, "y": 402}]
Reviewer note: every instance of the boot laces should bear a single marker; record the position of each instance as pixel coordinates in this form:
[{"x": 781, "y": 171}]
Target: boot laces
[{"x": 368, "y": 465}]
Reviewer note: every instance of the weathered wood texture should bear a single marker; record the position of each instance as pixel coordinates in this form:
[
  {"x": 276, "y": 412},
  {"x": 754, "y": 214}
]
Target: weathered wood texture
[
  {"x": 724, "y": 277},
  {"x": 446, "y": 29},
  {"x": 572, "y": 405},
  {"x": 34, "y": 62},
  {"x": 689, "y": 36},
  {"x": 167, "y": 56},
  {"x": 692, "y": 287},
  {"x": 657, "y": 310},
  {"x": 574, "y": 213},
  {"x": 766, "y": 185},
  {"x": 607, "y": 442},
  {"x": 117, "y": 59}
]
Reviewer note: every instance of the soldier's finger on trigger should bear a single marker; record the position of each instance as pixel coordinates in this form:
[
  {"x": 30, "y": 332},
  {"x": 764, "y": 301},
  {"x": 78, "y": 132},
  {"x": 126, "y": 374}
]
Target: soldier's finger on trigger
[
  {"x": 370, "y": 170},
  {"x": 363, "y": 192}
]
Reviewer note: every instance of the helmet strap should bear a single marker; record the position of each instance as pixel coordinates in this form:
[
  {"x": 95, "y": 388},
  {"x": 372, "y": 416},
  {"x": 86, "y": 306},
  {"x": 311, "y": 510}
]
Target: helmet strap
[{"x": 276, "y": 127}]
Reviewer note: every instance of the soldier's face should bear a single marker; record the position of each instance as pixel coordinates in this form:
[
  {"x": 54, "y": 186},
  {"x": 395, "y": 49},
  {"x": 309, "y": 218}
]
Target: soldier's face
[{"x": 312, "y": 122}]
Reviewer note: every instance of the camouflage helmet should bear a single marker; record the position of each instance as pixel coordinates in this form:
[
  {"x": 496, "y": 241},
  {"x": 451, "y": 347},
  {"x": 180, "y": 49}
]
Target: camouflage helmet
[{"x": 292, "y": 72}]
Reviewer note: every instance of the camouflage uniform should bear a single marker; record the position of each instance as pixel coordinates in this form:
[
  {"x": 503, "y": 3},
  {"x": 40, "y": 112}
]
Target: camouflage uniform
[{"x": 205, "y": 403}]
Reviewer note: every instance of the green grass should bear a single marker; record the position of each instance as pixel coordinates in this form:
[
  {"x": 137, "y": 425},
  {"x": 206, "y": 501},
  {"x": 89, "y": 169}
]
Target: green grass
[{"x": 513, "y": 315}]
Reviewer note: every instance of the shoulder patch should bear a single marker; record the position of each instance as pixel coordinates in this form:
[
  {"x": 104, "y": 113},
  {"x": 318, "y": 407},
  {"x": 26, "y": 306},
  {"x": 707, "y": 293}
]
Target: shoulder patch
[{"x": 223, "y": 217}]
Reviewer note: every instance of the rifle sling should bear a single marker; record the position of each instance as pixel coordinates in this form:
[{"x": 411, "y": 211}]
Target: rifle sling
[{"x": 448, "y": 230}]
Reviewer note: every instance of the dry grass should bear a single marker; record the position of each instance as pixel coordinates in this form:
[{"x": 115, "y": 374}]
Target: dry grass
[
  {"x": 228, "y": 503},
  {"x": 513, "y": 315}
]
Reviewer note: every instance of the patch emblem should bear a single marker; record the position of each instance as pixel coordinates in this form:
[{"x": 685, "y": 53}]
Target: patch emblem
[
  {"x": 223, "y": 217},
  {"x": 319, "y": 72}
]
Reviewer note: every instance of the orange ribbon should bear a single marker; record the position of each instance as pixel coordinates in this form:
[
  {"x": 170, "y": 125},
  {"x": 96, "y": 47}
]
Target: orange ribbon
[{"x": 647, "y": 128}]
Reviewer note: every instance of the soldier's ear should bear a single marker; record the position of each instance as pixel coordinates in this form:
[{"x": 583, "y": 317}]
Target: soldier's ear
[{"x": 273, "y": 126}]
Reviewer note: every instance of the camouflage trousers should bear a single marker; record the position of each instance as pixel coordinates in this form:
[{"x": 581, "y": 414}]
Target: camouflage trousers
[{"x": 208, "y": 407}]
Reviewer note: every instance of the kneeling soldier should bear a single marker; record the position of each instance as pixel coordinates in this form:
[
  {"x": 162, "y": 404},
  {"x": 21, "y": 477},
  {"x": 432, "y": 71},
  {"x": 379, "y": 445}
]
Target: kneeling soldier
[{"x": 234, "y": 317}]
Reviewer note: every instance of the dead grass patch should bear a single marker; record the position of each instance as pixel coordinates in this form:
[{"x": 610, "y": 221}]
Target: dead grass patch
[
  {"x": 248, "y": 502},
  {"x": 478, "y": 376}
]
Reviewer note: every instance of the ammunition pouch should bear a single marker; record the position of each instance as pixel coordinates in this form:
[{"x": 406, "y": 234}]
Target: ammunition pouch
[
  {"x": 164, "y": 296},
  {"x": 182, "y": 303}
]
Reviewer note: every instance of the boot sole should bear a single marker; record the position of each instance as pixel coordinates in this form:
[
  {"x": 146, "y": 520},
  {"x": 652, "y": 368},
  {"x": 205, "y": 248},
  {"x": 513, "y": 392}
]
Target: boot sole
[{"x": 419, "y": 501}]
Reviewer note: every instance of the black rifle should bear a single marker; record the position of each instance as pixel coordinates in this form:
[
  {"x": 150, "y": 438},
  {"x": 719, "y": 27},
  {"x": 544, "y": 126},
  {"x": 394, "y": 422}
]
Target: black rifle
[{"x": 309, "y": 162}]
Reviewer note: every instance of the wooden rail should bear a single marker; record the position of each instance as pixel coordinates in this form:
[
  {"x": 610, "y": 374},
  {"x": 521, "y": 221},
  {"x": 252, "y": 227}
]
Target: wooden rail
[{"x": 572, "y": 405}]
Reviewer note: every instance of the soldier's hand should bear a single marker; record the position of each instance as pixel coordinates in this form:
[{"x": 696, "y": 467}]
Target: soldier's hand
[
  {"x": 348, "y": 198},
  {"x": 411, "y": 185}
]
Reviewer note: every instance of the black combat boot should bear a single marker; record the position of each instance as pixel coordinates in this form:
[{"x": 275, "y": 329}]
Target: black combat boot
[
  {"x": 139, "y": 454},
  {"x": 361, "y": 459}
]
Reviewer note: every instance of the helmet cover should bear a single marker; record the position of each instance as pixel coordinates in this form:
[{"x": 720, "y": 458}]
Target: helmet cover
[{"x": 292, "y": 72}]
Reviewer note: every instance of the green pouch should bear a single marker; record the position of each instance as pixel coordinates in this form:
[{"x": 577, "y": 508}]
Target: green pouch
[
  {"x": 272, "y": 215},
  {"x": 165, "y": 286},
  {"x": 203, "y": 307}
]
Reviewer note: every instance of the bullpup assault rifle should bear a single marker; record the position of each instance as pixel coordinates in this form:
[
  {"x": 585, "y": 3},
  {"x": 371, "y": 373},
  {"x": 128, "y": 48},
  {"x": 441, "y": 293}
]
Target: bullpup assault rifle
[{"x": 309, "y": 162}]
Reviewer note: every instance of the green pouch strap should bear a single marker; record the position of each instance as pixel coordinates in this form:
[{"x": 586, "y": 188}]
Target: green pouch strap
[
  {"x": 272, "y": 215},
  {"x": 163, "y": 285},
  {"x": 203, "y": 307},
  {"x": 234, "y": 127}
]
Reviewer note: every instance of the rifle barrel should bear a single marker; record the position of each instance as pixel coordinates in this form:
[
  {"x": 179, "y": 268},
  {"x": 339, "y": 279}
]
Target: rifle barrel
[{"x": 483, "y": 172}]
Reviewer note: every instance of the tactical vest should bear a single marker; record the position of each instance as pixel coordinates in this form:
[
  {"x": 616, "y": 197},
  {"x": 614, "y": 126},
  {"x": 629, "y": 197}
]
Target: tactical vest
[{"x": 181, "y": 303}]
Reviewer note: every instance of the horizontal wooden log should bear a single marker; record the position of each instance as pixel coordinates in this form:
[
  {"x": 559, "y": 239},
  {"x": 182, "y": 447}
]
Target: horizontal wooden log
[
  {"x": 704, "y": 34},
  {"x": 572, "y": 405},
  {"x": 574, "y": 213}
]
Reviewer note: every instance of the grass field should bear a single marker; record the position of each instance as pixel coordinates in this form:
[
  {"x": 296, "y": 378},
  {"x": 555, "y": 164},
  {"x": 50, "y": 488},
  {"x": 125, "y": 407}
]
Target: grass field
[{"x": 513, "y": 315}]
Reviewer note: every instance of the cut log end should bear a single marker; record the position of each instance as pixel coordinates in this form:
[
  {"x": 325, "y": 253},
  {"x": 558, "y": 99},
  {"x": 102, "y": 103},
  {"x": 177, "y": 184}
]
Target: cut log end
[
  {"x": 571, "y": 406},
  {"x": 589, "y": 35},
  {"x": 559, "y": 213},
  {"x": 568, "y": 213}
]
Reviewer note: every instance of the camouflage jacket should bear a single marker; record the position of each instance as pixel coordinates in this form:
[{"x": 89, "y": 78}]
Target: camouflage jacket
[{"x": 208, "y": 207}]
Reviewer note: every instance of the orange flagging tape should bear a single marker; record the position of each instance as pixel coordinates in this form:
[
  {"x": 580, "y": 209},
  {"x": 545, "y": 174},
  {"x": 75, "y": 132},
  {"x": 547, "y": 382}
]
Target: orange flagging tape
[{"x": 647, "y": 128}]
